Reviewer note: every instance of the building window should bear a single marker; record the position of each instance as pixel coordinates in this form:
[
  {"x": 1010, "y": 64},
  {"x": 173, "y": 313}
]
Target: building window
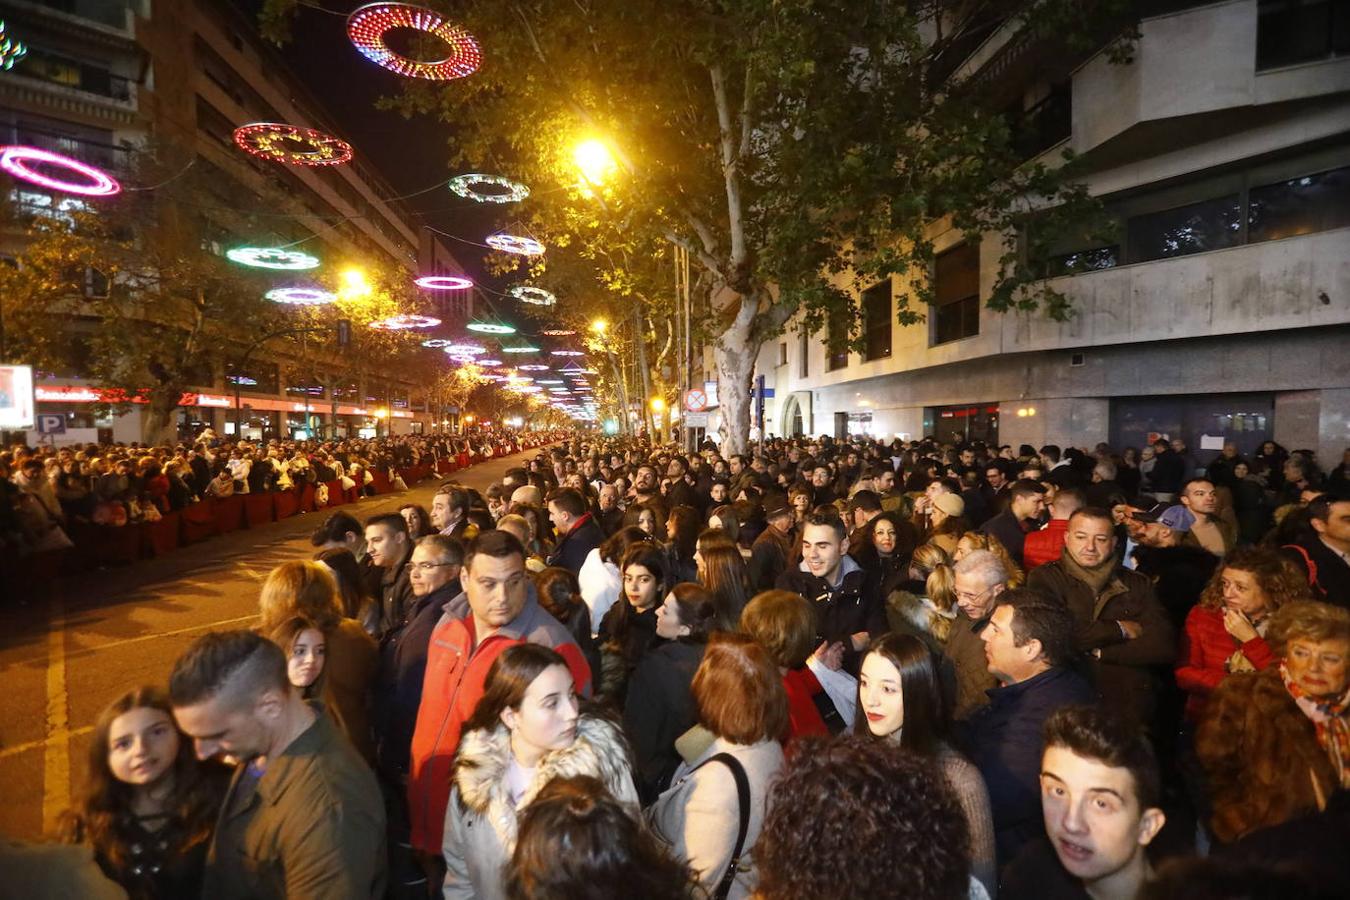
[
  {"x": 836, "y": 344},
  {"x": 1183, "y": 230},
  {"x": 1050, "y": 121},
  {"x": 1289, "y": 32},
  {"x": 803, "y": 357},
  {"x": 782, "y": 353},
  {"x": 876, "y": 311},
  {"x": 956, "y": 291},
  {"x": 1304, "y": 205}
]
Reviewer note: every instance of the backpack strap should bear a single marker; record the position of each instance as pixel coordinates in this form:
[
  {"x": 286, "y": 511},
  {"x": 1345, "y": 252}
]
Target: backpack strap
[{"x": 743, "y": 798}]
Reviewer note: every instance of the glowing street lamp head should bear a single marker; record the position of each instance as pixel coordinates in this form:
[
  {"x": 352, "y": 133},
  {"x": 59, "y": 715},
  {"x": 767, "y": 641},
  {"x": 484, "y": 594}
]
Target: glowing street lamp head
[
  {"x": 594, "y": 161},
  {"x": 354, "y": 283},
  {"x": 599, "y": 326}
]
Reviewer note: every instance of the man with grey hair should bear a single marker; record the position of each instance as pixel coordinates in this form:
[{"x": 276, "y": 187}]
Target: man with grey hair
[
  {"x": 303, "y": 816},
  {"x": 980, "y": 578}
]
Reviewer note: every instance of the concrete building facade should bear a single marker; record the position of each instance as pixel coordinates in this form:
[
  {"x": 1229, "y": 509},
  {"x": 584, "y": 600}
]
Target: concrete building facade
[{"x": 1221, "y": 310}]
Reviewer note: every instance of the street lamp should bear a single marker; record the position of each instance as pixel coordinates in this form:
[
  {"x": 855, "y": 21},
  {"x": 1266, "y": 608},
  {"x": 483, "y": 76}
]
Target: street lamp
[
  {"x": 354, "y": 283},
  {"x": 599, "y": 326},
  {"x": 594, "y": 161}
]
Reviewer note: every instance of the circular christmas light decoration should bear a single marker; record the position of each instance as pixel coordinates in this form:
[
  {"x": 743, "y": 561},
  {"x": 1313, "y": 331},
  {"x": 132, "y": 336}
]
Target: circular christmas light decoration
[
  {"x": 489, "y": 362},
  {"x": 533, "y": 295},
  {"x": 268, "y": 258},
  {"x": 404, "y": 323},
  {"x": 510, "y": 243},
  {"x": 568, "y": 353},
  {"x": 523, "y": 348},
  {"x": 18, "y": 161},
  {"x": 300, "y": 296},
  {"x": 369, "y": 25},
  {"x": 551, "y": 381},
  {"x": 471, "y": 187},
  {"x": 443, "y": 283},
  {"x": 558, "y": 332},
  {"x": 490, "y": 328},
  {"x": 461, "y": 349},
  {"x": 534, "y": 367},
  {"x": 292, "y": 144},
  {"x": 436, "y": 343}
]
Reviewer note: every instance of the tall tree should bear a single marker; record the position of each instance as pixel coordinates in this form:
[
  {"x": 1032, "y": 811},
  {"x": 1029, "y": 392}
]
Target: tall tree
[{"x": 796, "y": 149}]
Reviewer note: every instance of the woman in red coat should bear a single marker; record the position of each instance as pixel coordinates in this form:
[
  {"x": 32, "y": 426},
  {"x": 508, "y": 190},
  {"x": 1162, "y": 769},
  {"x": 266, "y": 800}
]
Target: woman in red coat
[{"x": 1225, "y": 631}]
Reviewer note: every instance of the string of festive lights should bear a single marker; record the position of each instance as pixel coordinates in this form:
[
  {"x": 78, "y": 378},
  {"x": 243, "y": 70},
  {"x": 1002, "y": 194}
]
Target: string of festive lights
[
  {"x": 535, "y": 296},
  {"x": 21, "y": 161},
  {"x": 443, "y": 283},
  {"x": 11, "y": 51},
  {"x": 272, "y": 258},
  {"x": 557, "y": 332},
  {"x": 471, "y": 187},
  {"x": 369, "y": 26},
  {"x": 291, "y": 144},
  {"x": 405, "y": 322},
  {"x": 511, "y": 243},
  {"x": 300, "y": 296}
]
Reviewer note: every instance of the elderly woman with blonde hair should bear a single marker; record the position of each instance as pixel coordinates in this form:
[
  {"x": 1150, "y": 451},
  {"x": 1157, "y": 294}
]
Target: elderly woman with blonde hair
[{"x": 307, "y": 590}]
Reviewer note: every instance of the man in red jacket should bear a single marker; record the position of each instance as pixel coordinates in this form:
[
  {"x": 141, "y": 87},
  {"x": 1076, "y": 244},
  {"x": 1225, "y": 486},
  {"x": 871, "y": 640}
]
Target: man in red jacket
[
  {"x": 1047, "y": 544},
  {"x": 502, "y": 613}
]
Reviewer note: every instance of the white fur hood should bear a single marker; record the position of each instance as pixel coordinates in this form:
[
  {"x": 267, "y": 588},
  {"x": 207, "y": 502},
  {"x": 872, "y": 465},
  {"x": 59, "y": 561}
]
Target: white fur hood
[{"x": 599, "y": 751}]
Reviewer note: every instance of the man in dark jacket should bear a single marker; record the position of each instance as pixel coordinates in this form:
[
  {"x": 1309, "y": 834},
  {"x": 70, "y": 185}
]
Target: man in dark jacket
[
  {"x": 1119, "y": 622},
  {"x": 1326, "y": 558},
  {"x": 770, "y": 553},
  {"x": 1029, "y": 644},
  {"x": 1026, "y": 504},
  {"x": 303, "y": 816},
  {"x": 390, "y": 549},
  {"x": 1169, "y": 471},
  {"x": 610, "y": 518},
  {"x": 578, "y": 534},
  {"x": 837, "y": 586}
]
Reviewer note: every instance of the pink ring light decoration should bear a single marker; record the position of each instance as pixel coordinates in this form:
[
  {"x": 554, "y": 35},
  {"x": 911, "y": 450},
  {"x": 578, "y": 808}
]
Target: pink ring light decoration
[
  {"x": 368, "y": 26},
  {"x": 13, "y": 159},
  {"x": 443, "y": 283}
]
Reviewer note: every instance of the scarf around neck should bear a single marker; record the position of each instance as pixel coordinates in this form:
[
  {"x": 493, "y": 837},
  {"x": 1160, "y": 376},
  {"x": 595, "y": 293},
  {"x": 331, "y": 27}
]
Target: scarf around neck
[
  {"x": 1096, "y": 577},
  {"x": 1330, "y": 719}
]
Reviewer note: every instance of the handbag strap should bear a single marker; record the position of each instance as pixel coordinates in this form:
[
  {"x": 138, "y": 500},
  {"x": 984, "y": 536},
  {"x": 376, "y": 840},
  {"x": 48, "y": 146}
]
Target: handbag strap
[{"x": 743, "y": 798}]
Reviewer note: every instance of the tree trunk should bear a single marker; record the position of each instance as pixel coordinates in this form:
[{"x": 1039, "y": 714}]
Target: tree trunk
[
  {"x": 157, "y": 426},
  {"x": 735, "y": 351}
]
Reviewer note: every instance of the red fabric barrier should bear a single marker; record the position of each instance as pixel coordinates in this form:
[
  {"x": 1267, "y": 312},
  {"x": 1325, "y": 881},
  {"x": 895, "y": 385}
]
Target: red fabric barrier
[
  {"x": 229, "y": 513},
  {"x": 198, "y": 521},
  {"x": 380, "y": 482},
  {"x": 353, "y": 495},
  {"x": 307, "y": 503},
  {"x": 257, "y": 509},
  {"x": 336, "y": 496},
  {"x": 463, "y": 460},
  {"x": 161, "y": 537},
  {"x": 411, "y": 475},
  {"x": 285, "y": 504},
  {"x": 106, "y": 544}
]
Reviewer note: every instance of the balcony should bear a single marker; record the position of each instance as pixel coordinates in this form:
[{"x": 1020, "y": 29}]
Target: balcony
[
  {"x": 112, "y": 13},
  {"x": 53, "y": 68}
]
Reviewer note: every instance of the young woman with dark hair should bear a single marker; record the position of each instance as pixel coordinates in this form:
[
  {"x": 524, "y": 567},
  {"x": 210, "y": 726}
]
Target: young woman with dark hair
[
  {"x": 149, "y": 804},
  {"x": 600, "y": 579},
  {"x": 356, "y": 599},
  {"x": 659, "y": 707},
  {"x": 721, "y": 569},
  {"x": 629, "y": 628},
  {"x": 900, "y": 701},
  {"x": 682, "y": 528},
  {"x": 560, "y": 596},
  {"x": 525, "y": 731},
  {"x": 577, "y": 842}
]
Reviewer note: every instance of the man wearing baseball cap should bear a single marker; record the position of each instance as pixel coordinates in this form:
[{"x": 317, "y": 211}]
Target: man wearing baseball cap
[{"x": 1158, "y": 549}]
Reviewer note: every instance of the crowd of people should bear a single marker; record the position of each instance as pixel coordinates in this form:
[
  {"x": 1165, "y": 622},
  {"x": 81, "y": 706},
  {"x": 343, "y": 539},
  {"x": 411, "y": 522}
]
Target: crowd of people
[
  {"x": 828, "y": 669},
  {"x": 44, "y": 490}
]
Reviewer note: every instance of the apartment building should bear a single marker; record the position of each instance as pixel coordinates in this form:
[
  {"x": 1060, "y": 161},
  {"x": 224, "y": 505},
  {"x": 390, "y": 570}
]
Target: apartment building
[
  {"x": 1221, "y": 311},
  {"x": 102, "y": 78}
]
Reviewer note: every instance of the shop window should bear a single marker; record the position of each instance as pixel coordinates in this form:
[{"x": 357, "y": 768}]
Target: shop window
[
  {"x": 877, "y": 318},
  {"x": 956, "y": 291}
]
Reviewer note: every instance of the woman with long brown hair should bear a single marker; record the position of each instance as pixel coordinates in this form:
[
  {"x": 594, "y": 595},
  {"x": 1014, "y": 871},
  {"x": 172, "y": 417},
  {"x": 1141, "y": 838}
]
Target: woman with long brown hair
[
  {"x": 526, "y": 730},
  {"x": 148, "y": 805},
  {"x": 721, "y": 569},
  {"x": 307, "y": 590}
]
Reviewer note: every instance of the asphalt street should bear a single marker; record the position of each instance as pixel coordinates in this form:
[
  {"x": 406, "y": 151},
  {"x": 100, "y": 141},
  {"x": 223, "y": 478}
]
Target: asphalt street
[{"x": 105, "y": 632}]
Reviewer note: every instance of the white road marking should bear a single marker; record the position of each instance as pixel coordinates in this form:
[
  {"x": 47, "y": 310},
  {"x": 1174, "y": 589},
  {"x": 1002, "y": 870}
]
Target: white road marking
[{"x": 56, "y": 755}]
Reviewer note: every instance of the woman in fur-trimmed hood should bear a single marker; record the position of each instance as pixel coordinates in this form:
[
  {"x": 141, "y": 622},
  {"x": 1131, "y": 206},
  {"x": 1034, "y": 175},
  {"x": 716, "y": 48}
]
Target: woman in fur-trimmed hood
[{"x": 525, "y": 732}]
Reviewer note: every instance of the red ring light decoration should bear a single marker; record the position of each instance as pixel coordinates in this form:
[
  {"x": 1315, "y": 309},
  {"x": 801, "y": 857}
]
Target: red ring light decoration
[
  {"x": 510, "y": 243},
  {"x": 443, "y": 283},
  {"x": 369, "y": 24},
  {"x": 401, "y": 323},
  {"x": 13, "y": 159},
  {"x": 267, "y": 140}
]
